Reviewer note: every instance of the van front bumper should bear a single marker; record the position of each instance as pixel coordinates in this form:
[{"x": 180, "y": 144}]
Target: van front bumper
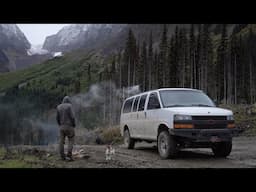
[{"x": 206, "y": 135}]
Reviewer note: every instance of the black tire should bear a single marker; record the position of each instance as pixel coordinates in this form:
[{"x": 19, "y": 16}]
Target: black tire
[
  {"x": 128, "y": 141},
  {"x": 222, "y": 149},
  {"x": 167, "y": 145}
]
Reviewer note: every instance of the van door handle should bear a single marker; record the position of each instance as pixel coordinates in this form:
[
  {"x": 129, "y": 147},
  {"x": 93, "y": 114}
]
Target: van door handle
[{"x": 145, "y": 113}]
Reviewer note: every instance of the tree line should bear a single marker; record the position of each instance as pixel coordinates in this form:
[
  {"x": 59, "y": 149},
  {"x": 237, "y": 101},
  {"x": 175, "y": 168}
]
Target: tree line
[{"x": 221, "y": 65}]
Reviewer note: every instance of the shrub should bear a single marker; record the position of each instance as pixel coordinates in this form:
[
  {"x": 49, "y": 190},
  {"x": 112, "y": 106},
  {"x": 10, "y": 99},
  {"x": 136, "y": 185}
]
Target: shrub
[{"x": 111, "y": 135}]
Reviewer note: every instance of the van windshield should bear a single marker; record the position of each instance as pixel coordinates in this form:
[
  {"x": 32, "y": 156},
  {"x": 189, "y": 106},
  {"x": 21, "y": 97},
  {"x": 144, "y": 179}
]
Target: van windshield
[{"x": 185, "y": 98}]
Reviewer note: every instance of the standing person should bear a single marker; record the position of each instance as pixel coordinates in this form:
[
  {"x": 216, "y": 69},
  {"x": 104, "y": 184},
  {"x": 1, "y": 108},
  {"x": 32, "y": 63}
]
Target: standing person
[{"x": 66, "y": 121}]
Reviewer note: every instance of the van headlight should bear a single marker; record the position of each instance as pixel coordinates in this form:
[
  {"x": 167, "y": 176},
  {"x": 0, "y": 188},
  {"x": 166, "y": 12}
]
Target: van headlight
[
  {"x": 182, "y": 117},
  {"x": 230, "y": 117}
]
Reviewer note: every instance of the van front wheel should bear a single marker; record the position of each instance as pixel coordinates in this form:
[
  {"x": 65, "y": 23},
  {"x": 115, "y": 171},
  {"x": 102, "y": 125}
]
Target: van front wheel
[
  {"x": 167, "y": 145},
  {"x": 128, "y": 141},
  {"x": 222, "y": 149}
]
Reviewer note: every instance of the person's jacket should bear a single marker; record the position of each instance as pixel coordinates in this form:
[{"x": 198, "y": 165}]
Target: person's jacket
[{"x": 65, "y": 114}]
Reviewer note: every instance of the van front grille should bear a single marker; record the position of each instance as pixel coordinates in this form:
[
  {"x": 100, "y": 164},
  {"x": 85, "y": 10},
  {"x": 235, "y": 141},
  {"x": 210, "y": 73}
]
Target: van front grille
[
  {"x": 210, "y": 126},
  {"x": 209, "y": 117}
]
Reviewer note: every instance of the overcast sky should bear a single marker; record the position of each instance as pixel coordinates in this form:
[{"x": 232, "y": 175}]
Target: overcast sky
[{"x": 36, "y": 33}]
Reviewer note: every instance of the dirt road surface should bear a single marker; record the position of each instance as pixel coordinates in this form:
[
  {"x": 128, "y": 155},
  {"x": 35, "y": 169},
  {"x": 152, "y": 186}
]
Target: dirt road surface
[{"x": 145, "y": 155}]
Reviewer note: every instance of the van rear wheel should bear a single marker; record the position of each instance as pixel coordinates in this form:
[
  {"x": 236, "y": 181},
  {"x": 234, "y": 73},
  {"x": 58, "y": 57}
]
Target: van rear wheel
[
  {"x": 128, "y": 141},
  {"x": 167, "y": 145},
  {"x": 222, "y": 149}
]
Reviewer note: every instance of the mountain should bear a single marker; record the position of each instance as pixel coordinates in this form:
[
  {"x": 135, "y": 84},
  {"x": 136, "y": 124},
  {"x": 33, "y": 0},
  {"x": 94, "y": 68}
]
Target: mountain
[
  {"x": 13, "y": 44},
  {"x": 11, "y": 37},
  {"x": 104, "y": 37},
  {"x": 15, "y": 50},
  {"x": 110, "y": 37},
  {"x": 82, "y": 36}
]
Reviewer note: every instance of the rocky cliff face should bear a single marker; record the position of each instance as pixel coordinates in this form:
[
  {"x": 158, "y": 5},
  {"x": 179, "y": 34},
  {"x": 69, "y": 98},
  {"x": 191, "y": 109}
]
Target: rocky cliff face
[
  {"x": 13, "y": 46},
  {"x": 16, "y": 51},
  {"x": 11, "y": 37},
  {"x": 77, "y": 36}
]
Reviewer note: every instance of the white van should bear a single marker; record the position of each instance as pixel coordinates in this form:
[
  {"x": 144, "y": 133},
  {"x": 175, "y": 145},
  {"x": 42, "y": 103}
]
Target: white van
[{"x": 177, "y": 118}]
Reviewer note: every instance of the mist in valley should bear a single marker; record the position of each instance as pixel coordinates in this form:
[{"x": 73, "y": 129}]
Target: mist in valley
[{"x": 25, "y": 122}]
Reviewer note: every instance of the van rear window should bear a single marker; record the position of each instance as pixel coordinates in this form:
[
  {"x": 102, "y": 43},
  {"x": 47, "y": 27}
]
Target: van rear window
[
  {"x": 135, "y": 104},
  {"x": 128, "y": 106},
  {"x": 142, "y": 102}
]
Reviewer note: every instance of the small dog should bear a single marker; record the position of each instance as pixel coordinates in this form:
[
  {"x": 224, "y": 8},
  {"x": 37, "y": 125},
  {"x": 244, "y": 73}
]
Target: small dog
[{"x": 110, "y": 151}]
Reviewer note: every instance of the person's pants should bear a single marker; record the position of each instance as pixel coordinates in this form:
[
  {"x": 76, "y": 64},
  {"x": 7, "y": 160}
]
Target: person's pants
[{"x": 66, "y": 131}]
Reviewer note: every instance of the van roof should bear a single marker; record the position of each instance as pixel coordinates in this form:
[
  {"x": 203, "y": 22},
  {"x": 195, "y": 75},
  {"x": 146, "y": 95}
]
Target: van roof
[{"x": 165, "y": 89}]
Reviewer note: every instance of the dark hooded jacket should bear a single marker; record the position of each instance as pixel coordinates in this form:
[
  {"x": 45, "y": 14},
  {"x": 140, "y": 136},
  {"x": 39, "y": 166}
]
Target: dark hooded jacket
[{"x": 65, "y": 114}]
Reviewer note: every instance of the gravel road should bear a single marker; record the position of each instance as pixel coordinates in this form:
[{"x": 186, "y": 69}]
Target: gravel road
[{"x": 145, "y": 155}]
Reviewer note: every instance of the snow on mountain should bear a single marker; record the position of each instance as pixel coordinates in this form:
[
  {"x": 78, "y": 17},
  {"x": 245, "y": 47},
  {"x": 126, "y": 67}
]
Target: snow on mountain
[
  {"x": 57, "y": 54},
  {"x": 77, "y": 36},
  {"x": 37, "y": 50}
]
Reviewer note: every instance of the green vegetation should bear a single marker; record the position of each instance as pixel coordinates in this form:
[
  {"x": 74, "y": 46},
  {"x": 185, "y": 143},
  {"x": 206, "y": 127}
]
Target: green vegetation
[
  {"x": 245, "y": 117},
  {"x": 29, "y": 157},
  {"x": 14, "y": 159},
  {"x": 111, "y": 135},
  {"x": 58, "y": 72},
  {"x": 15, "y": 164}
]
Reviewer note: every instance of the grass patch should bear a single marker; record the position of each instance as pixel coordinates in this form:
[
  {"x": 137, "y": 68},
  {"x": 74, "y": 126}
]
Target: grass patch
[
  {"x": 15, "y": 163},
  {"x": 15, "y": 158},
  {"x": 2, "y": 152}
]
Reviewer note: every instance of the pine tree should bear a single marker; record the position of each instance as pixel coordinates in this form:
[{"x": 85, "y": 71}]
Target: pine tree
[
  {"x": 150, "y": 61},
  {"x": 130, "y": 55},
  {"x": 162, "y": 72},
  {"x": 234, "y": 63},
  {"x": 173, "y": 75},
  {"x": 205, "y": 57},
  {"x": 251, "y": 67},
  {"x": 222, "y": 66},
  {"x": 155, "y": 69},
  {"x": 144, "y": 66},
  {"x": 192, "y": 55},
  {"x": 137, "y": 63},
  {"x": 113, "y": 70},
  {"x": 198, "y": 58},
  {"x": 140, "y": 68},
  {"x": 182, "y": 58},
  {"x": 119, "y": 69},
  {"x": 175, "y": 55}
]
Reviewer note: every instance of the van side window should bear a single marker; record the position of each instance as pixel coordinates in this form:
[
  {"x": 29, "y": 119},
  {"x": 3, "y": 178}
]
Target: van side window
[
  {"x": 128, "y": 106},
  {"x": 135, "y": 104},
  {"x": 153, "y": 102},
  {"x": 142, "y": 102}
]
